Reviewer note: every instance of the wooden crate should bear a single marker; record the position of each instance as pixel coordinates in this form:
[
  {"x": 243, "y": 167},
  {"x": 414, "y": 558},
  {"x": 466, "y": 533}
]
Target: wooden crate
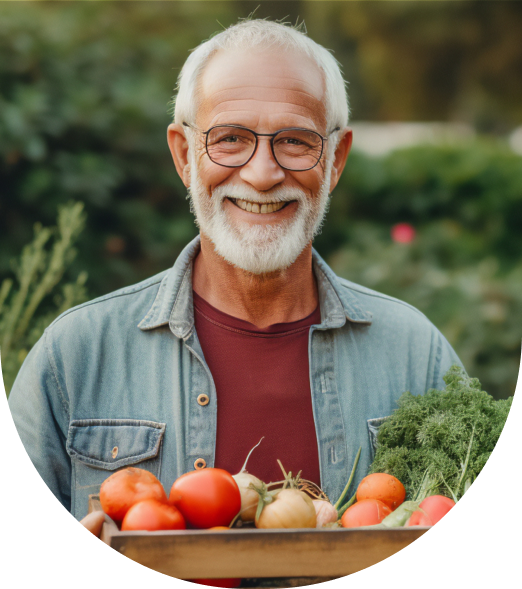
[{"x": 292, "y": 556}]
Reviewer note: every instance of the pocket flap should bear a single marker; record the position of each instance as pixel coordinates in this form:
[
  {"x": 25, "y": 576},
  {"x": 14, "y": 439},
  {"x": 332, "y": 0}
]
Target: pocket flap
[
  {"x": 373, "y": 429},
  {"x": 113, "y": 443}
]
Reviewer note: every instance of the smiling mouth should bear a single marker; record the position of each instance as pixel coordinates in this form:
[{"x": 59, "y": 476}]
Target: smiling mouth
[{"x": 260, "y": 208}]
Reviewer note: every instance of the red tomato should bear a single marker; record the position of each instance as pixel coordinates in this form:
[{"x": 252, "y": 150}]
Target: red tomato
[
  {"x": 418, "y": 518},
  {"x": 435, "y": 508},
  {"x": 152, "y": 515},
  {"x": 229, "y": 583},
  {"x": 367, "y": 512},
  {"x": 207, "y": 498}
]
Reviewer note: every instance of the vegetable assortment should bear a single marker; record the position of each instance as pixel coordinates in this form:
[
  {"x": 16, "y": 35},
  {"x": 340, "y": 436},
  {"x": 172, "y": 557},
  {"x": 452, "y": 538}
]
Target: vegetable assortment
[
  {"x": 429, "y": 451},
  {"x": 213, "y": 499}
]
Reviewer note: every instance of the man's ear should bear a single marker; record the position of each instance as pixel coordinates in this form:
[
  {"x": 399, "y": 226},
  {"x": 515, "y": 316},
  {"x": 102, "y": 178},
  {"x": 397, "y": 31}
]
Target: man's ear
[
  {"x": 178, "y": 146},
  {"x": 341, "y": 154}
]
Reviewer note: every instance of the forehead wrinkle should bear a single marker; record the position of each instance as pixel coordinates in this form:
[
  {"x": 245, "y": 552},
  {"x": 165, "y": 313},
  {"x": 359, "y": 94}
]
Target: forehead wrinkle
[
  {"x": 309, "y": 103},
  {"x": 304, "y": 93},
  {"x": 301, "y": 75},
  {"x": 265, "y": 87},
  {"x": 260, "y": 100},
  {"x": 241, "y": 82},
  {"x": 308, "y": 120}
]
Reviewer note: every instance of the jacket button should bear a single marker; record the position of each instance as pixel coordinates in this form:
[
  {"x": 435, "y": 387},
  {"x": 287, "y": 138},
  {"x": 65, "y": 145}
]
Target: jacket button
[
  {"x": 200, "y": 464},
  {"x": 203, "y": 400},
  {"x": 114, "y": 451}
]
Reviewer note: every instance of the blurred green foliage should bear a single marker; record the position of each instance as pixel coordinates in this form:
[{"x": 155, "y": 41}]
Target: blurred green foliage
[
  {"x": 84, "y": 105},
  {"x": 83, "y": 115},
  {"x": 37, "y": 295},
  {"x": 476, "y": 186}
]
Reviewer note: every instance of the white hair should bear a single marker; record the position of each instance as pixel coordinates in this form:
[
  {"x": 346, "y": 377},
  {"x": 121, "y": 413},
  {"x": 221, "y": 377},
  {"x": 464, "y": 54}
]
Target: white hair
[{"x": 249, "y": 34}]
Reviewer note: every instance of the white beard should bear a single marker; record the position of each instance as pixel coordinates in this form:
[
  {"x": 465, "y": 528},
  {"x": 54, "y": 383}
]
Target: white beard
[{"x": 258, "y": 249}]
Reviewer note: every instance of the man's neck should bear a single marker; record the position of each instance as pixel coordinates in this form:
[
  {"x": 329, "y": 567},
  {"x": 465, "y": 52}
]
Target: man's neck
[{"x": 261, "y": 299}]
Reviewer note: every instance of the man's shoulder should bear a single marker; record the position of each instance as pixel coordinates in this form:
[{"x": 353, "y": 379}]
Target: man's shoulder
[
  {"x": 362, "y": 305},
  {"x": 383, "y": 307},
  {"x": 128, "y": 302},
  {"x": 404, "y": 342},
  {"x": 369, "y": 295}
]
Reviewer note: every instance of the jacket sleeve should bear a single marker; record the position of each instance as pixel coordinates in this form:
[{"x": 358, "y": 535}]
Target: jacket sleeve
[
  {"x": 40, "y": 410},
  {"x": 443, "y": 357}
]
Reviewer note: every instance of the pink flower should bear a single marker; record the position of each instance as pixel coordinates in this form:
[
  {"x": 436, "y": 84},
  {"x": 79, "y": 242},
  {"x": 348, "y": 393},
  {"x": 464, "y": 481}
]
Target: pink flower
[{"x": 403, "y": 233}]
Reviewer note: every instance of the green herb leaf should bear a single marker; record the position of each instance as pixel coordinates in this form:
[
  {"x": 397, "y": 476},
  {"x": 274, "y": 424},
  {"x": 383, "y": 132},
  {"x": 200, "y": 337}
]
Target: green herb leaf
[{"x": 426, "y": 442}]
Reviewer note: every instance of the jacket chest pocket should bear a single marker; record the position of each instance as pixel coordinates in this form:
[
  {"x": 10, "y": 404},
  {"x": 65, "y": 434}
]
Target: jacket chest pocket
[
  {"x": 373, "y": 429},
  {"x": 99, "y": 447}
]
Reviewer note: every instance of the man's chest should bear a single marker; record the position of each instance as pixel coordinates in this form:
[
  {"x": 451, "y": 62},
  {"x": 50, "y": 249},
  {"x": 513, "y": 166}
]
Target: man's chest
[{"x": 262, "y": 383}]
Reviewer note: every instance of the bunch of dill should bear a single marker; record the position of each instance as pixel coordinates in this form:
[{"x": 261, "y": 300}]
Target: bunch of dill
[{"x": 444, "y": 437}]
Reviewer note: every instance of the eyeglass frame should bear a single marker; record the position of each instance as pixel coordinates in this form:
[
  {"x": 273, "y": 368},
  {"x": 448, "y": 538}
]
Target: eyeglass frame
[{"x": 272, "y": 137}]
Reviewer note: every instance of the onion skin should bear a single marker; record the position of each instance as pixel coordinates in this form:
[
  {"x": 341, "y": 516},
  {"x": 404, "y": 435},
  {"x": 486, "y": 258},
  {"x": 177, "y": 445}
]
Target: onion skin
[
  {"x": 290, "y": 508},
  {"x": 249, "y": 498},
  {"x": 325, "y": 512}
]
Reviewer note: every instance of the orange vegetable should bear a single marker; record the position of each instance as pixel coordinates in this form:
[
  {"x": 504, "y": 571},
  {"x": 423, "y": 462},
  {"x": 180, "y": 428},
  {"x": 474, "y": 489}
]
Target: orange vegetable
[
  {"x": 124, "y": 488},
  {"x": 219, "y": 528},
  {"x": 384, "y": 487},
  {"x": 367, "y": 512}
]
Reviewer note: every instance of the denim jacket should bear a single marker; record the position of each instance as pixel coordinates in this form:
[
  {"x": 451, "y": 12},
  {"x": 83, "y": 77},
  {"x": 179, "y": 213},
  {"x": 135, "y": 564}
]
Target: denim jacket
[{"x": 115, "y": 382}]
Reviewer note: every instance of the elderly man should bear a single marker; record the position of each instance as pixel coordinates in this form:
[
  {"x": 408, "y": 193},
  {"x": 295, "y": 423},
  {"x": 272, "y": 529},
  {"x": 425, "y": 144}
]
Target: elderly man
[{"x": 250, "y": 335}]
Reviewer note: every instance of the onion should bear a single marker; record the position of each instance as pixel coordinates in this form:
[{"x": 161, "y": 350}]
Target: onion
[
  {"x": 249, "y": 497},
  {"x": 325, "y": 512},
  {"x": 289, "y": 508}
]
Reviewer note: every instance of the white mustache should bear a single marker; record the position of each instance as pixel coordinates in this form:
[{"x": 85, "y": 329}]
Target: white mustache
[{"x": 247, "y": 193}]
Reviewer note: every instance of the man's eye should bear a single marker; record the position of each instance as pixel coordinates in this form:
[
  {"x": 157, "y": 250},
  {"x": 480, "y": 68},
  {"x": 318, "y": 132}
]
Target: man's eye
[
  {"x": 292, "y": 141},
  {"x": 230, "y": 139}
]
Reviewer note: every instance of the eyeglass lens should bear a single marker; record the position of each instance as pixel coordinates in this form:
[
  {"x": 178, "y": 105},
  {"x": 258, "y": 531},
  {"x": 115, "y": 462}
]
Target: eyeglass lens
[{"x": 294, "y": 149}]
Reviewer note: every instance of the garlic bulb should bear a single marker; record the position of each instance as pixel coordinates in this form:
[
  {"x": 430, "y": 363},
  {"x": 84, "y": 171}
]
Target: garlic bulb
[{"x": 325, "y": 511}]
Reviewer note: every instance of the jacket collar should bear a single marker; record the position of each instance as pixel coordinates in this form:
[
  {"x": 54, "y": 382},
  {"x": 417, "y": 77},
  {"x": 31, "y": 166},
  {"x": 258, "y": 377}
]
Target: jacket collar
[
  {"x": 173, "y": 304},
  {"x": 337, "y": 302}
]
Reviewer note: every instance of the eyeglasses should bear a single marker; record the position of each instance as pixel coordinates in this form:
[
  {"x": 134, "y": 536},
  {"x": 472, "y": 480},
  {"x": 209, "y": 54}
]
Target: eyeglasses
[{"x": 233, "y": 146}]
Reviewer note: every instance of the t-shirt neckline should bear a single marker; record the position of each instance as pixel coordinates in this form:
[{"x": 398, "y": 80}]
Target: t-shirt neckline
[{"x": 226, "y": 321}]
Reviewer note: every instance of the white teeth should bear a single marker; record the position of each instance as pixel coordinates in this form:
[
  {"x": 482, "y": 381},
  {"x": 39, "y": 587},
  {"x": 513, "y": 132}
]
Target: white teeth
[{"x": 253, "y": 207}]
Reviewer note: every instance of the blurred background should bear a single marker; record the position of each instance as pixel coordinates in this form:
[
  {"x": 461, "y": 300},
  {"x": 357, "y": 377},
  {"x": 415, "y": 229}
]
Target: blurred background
[{"x": 429, "y": 209}]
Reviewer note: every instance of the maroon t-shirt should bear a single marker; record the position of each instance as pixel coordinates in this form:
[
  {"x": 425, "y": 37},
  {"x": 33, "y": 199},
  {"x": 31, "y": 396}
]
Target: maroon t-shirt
[{"x": 263, "y": 390}]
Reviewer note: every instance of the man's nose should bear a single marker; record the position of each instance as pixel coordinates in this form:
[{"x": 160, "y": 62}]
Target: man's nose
[{"x": 262, "y": 171}]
